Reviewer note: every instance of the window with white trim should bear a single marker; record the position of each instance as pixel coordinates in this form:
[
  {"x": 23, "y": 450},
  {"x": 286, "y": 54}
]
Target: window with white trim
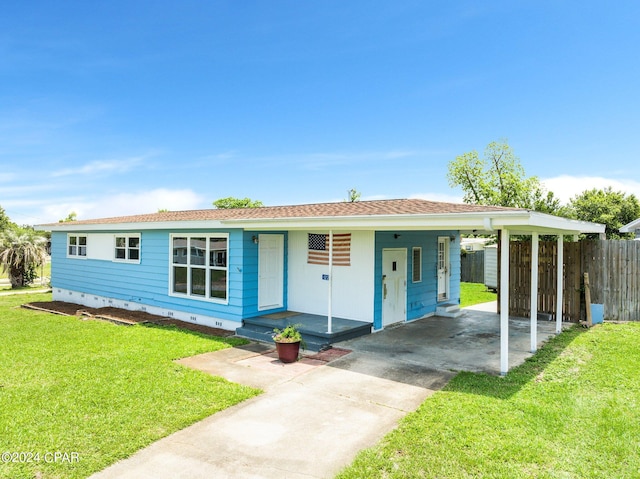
[
  {"x": 416, "y": 257},
  {"x": 199, "y": 266},
  {"x": 77, "y": 246},
  {"x": 127, "y": 248}
]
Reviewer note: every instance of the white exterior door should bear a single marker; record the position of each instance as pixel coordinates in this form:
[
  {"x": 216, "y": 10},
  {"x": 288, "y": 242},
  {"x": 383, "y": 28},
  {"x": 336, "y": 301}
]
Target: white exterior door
[
  {"x": 270, "y": 271},
  {"x": 394, "y": 286},
  {"x": 443, "y": 268}
]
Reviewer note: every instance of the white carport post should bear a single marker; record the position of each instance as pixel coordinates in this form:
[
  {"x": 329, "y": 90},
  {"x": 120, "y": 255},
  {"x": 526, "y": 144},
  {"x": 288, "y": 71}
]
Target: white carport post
[
  {"x": 534, "y": 291},
  {"x": 504, "y": 302},
  {"x": 330, "y": 285},
  {"x": 559, "y": 283}
]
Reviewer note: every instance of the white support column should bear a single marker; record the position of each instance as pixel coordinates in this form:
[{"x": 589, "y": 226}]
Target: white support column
[
  {"x": 534, "y": 291},
  {"x": 559, "y": 289},
  {"x": 330, "y": 285},
  {"x": 504, "y": 302}
]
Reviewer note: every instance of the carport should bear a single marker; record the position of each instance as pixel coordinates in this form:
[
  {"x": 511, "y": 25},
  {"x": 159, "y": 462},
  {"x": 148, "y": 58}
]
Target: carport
[
  {"x": 532, "y": 224},
  {"x": 469, "y": 342}
]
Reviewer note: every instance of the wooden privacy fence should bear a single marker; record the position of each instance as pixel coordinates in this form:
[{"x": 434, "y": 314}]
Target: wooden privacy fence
[
  {"x": 614, "y": 274},
  {"x": 472, "y": 267}
]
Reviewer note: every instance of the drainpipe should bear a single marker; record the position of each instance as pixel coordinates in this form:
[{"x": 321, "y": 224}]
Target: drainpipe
[{"x": 330, "y": 300}]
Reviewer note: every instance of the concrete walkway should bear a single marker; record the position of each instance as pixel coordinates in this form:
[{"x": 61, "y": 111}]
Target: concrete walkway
[
  {"x": 314, "y": 417},
  {"x": 310, "y": 422}
]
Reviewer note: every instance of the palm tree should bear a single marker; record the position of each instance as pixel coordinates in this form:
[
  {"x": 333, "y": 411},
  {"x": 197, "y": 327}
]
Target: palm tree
[{"x": 20, "y": 250}]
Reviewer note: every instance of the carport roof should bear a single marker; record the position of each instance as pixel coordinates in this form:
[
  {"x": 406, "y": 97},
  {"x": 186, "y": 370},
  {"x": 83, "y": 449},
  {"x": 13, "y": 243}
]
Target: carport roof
[{"x": 408, "y": 214}]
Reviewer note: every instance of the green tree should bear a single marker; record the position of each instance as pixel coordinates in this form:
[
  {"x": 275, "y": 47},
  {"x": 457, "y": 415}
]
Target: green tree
[
  {"x": 21, "y": 251},
  {"x": 5, "y": 222},
  {"x": 353, "y": 195},
  {"x": 73, "y": 216},
  {"x": 231, "y": 202},
  {"x": 614, "y": 209},
  {"x": 499, "y": 179}
]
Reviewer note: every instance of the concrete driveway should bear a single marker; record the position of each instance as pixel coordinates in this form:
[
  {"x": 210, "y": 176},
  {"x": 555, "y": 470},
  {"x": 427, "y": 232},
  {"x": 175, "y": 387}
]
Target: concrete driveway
[{"x": 315, "y": 416}]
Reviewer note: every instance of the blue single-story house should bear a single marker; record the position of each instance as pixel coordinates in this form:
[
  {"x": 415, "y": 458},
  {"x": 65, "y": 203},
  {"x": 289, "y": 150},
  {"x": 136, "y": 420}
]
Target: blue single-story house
[{"x": 376, "y": 262}]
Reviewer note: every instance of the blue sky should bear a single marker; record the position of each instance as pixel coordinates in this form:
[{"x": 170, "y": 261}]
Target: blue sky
[{"x": 123, "y": 107}]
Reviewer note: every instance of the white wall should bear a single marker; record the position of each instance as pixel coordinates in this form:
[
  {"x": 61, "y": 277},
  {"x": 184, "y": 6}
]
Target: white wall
[{"x": 352, "y": 285}]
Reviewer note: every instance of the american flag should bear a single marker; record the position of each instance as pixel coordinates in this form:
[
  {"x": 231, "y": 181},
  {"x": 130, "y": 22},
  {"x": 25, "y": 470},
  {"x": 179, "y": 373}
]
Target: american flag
[{"x": 318, "y": 251}]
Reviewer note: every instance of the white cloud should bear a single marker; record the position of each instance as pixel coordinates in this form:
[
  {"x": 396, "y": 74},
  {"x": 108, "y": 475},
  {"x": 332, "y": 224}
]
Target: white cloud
[
  {"x": 125, "y": 204},
  {"x": 102, "y": 166},
  {"x": 566, "y": 187}
]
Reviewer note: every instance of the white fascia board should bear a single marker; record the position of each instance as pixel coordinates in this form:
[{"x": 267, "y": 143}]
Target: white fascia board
[
  {"x": 372, "y": 222},
  {"x": 146, "y": 225},
  {"x": 521, "y": 220},
  {"x": 544, "y": 223},
  {"x": 631, "y": 227}
]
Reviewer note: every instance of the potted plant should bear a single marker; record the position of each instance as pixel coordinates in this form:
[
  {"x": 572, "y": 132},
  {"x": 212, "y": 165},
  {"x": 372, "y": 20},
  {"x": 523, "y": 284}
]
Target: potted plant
[{"x": 288, "y": 341}]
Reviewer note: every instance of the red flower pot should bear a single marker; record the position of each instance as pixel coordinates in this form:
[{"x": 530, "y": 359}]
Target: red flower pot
[{"x": 288, "y": 352}]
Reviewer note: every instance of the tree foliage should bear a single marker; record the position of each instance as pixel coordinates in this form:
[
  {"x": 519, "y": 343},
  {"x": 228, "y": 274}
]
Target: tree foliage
[
  {"x": 5, "y": 222},
  {"x": 499, "y": 179},
  {"x": 21, "y": 251},
  {"x": 73, "y": 216},
  {"x": 614, "y": 209},
  {"x": 231, "y": 202},
  {"x": 353, "y": 195}
]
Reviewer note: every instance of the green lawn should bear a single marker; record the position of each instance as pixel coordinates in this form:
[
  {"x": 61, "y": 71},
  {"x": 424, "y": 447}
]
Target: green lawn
[
  {"x": 95, "y": 389},
  {"x": 475, "y": 293},
  {"x": 571, "y": 411}
]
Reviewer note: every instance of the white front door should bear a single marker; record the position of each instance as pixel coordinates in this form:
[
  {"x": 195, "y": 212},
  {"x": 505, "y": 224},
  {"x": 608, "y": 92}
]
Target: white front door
[
  {"x": 270, "y": 271},
  {"x": 443, "y": 268},
  {"x": 394, "y": 286}
]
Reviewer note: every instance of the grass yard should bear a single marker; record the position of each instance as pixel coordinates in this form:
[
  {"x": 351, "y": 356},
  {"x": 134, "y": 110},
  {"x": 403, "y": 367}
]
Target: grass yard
[
  {"x": 571, "y": 411},
  {"x": 475, "y": 293},
  {"x": 95, "y": 389}
]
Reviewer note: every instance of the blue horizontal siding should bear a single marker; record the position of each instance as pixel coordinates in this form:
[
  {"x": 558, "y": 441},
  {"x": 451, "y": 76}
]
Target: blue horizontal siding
[
  {"x": 422, "y": 296},
  {"x": 148, "y": 281}
]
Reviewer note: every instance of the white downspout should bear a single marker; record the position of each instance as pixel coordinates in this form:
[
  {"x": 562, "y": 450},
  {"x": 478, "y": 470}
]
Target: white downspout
[
  {"x": 534, "y": 291},
  {"x": 559, "y": 290},
  {"x": 504, "y": 302},
  {"x": 330, "y": 299}
]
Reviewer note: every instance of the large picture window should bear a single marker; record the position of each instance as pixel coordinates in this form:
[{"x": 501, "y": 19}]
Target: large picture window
[
  {"x": 199, "y": 266},
  {"x": 77, "y": 246}
]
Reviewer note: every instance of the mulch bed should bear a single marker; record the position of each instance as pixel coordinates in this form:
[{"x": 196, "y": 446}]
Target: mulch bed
[{"x": 122, "y": 316}]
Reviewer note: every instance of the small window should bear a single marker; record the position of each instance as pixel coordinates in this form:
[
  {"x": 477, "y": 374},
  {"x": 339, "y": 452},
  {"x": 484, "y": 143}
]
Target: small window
[
  {"x": 77, "y": 246},
  {"x": 417, "y": 265},
  {"x": 127, "y": 248}
]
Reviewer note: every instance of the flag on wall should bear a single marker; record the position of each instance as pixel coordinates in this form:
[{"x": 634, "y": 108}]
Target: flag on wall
[{"x": 318, "y": 250}]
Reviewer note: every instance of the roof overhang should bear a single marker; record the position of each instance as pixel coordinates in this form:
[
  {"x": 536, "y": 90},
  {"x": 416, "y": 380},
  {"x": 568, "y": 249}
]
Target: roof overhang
[
  {"x": 631, "y": 227},
  {"x": 517, "y": 222}
]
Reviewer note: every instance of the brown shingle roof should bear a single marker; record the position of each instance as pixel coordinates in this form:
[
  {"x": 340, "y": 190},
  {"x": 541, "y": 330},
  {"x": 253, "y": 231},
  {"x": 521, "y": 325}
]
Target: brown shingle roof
[{"x": 317, "y": 210}]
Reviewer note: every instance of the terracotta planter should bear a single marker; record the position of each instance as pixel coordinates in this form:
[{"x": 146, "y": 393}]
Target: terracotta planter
[{"x": 288, "y": 352}]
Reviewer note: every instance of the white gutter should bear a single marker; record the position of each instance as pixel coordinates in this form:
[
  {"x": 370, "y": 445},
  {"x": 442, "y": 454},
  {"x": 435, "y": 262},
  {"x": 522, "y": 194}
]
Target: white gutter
[{"x": 519, "y": 221}]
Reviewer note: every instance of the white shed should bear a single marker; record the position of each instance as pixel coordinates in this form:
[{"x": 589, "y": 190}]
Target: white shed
[{"x": 491, "y": 267}]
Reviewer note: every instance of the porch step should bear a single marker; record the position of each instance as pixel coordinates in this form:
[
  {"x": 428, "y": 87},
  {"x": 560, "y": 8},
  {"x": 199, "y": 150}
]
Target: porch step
[
  {"x": 313, "y": 329},
  {"x": 449, "y": 310}
]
